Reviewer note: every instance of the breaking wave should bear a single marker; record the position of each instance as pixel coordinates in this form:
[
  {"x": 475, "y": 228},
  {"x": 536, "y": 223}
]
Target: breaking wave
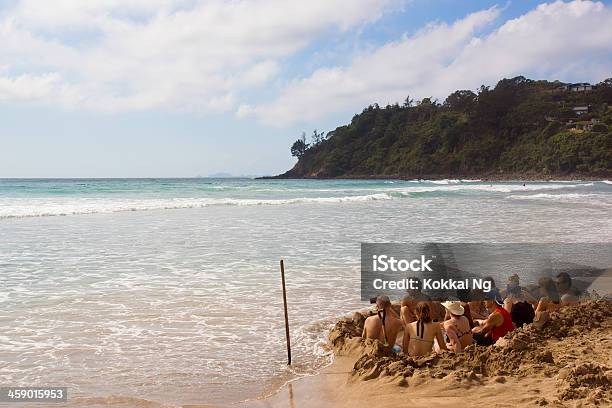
[
  {"x": 452, "y": 181},
  {"x": 45, "y": 207},
  {"x": 18, "y": 207}
]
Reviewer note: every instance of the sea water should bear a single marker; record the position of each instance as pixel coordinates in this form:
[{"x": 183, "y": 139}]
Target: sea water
[{"x": 139, "y": 291}]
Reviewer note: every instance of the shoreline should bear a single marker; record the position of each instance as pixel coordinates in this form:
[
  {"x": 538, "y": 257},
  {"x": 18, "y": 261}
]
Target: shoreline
[
  {"x": 568, "y": 363},
  {"x": 511, "y": 177},
  {"x": 318, "y": 390}
]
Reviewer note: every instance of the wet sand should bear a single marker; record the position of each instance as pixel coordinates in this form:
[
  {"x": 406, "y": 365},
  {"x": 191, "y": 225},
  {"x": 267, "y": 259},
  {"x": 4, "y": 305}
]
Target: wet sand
[
  {"x": 323, "y": 390},
  {"x": 331, "y": 389}
]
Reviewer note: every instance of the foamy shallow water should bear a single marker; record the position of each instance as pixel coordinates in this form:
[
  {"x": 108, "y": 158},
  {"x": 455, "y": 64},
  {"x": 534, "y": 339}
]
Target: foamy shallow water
[{"x": 183, "y": 305}]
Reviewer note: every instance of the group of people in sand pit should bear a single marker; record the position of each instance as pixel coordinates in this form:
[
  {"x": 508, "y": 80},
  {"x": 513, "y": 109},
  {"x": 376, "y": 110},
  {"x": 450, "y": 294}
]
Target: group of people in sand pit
[{"x": 480, "y": 318}]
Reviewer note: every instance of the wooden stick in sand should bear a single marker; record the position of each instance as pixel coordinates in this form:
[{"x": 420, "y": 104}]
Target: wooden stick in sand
[{"x": 282, "y": 267}]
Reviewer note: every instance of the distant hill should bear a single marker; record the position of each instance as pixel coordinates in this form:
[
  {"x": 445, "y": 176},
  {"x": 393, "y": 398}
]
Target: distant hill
[
  {"x": 520, "y": 128},
  {"x": 220, "y": 174}
]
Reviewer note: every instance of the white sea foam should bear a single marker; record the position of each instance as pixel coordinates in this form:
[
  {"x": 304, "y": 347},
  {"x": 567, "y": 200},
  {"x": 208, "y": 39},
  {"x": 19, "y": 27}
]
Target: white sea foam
[
  {"x": 445, "y": 181},
  {"x": 493, "y": 188},
  {"x": 453, "y": 181},
  {"x": 18, "y": 207},
  {"x": 587, "y": 198}
]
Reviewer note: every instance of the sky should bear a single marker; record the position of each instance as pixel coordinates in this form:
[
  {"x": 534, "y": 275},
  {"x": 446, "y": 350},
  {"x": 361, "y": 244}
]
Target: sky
[{"x": 181, "y": 88}]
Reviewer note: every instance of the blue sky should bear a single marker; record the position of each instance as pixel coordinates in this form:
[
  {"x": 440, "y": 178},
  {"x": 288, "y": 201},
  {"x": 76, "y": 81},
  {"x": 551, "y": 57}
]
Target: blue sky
[{"x": 178, "y": 88}]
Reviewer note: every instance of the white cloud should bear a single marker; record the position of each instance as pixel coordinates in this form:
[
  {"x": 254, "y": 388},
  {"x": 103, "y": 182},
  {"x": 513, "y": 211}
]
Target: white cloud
[
  {"x": 557, "y": 40},
  {"x": 27, "y": 87},
  {"x": 205, "y": 55},
  {"x": 172, "y": 54}
]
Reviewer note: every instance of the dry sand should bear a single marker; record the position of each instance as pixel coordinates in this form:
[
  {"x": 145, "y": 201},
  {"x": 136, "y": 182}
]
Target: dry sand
[{"x": 568, "y": 363}]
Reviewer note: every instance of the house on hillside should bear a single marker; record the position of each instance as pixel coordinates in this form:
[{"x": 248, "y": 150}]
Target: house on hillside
[
  {"x": 583, "y": 126},
  {"x": 559, "y": 89},
  {"x": 581, "y": 87},
  {"x": 581, "y": 110},
  {"x": 578, "y": 87}
]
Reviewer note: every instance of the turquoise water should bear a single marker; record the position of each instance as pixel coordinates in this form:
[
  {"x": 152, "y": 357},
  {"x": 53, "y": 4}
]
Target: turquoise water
[
  {"x": 167, "y": 291},
  {"x": 23, "y": 198}
]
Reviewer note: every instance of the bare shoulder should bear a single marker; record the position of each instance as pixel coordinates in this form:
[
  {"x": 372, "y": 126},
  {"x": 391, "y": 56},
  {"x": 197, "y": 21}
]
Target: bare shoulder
[
  {"x": 372, "y": 319},
  {"x": 411, "y": 326}
]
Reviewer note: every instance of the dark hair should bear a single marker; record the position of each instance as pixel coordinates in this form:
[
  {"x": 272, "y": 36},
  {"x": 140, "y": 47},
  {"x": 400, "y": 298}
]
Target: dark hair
[
  {"x": 477, "y": 294},
  {"x": 463, "y": 295},
  {"x": 490, "y": 279},
  {"x": 383, "y": 302},
  {"x": 423, "y": 316},
  {"x": 565, "y": 278},
  {"x": 547, "y": 285},
  {"x": 422, "y": 311},
  {"x": 513, "y": 290}
]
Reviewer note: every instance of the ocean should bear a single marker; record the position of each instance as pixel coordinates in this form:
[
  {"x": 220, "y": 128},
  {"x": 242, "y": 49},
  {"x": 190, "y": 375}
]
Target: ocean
[{"x": 140, "y": 291}]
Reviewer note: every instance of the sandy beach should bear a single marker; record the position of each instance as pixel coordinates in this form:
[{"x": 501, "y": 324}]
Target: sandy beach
[
  {"x": 568, "y": 363},
  {"x": 305, "y": 204}
]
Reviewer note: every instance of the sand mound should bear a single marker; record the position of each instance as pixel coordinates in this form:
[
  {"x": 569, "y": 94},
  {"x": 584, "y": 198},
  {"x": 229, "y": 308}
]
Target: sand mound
[
  {"x": 345, "y": 337},
  {"x": 550, "y": 352},
  {"x": 588, "y": 380}
]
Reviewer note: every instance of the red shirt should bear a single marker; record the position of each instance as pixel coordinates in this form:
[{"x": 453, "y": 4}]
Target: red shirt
[{"x": 505, "y": 327}]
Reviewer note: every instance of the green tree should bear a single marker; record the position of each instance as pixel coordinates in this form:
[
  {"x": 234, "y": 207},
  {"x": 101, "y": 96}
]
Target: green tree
[
  {"x": 317, "y": 137},
  {"x": 518, "y": 126},
  {"x": 462, "y": 101},
  {"x": 299, "y": 147}
]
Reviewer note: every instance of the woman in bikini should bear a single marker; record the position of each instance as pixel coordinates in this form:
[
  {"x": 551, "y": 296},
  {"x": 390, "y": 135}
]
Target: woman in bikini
[
  {"x": 457, "y": 327},
  {"x": 419, "y": 336}
]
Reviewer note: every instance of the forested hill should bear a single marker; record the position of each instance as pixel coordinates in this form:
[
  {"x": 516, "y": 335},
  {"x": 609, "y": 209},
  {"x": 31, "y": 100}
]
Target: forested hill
[{"x": 521, "y": 127}]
